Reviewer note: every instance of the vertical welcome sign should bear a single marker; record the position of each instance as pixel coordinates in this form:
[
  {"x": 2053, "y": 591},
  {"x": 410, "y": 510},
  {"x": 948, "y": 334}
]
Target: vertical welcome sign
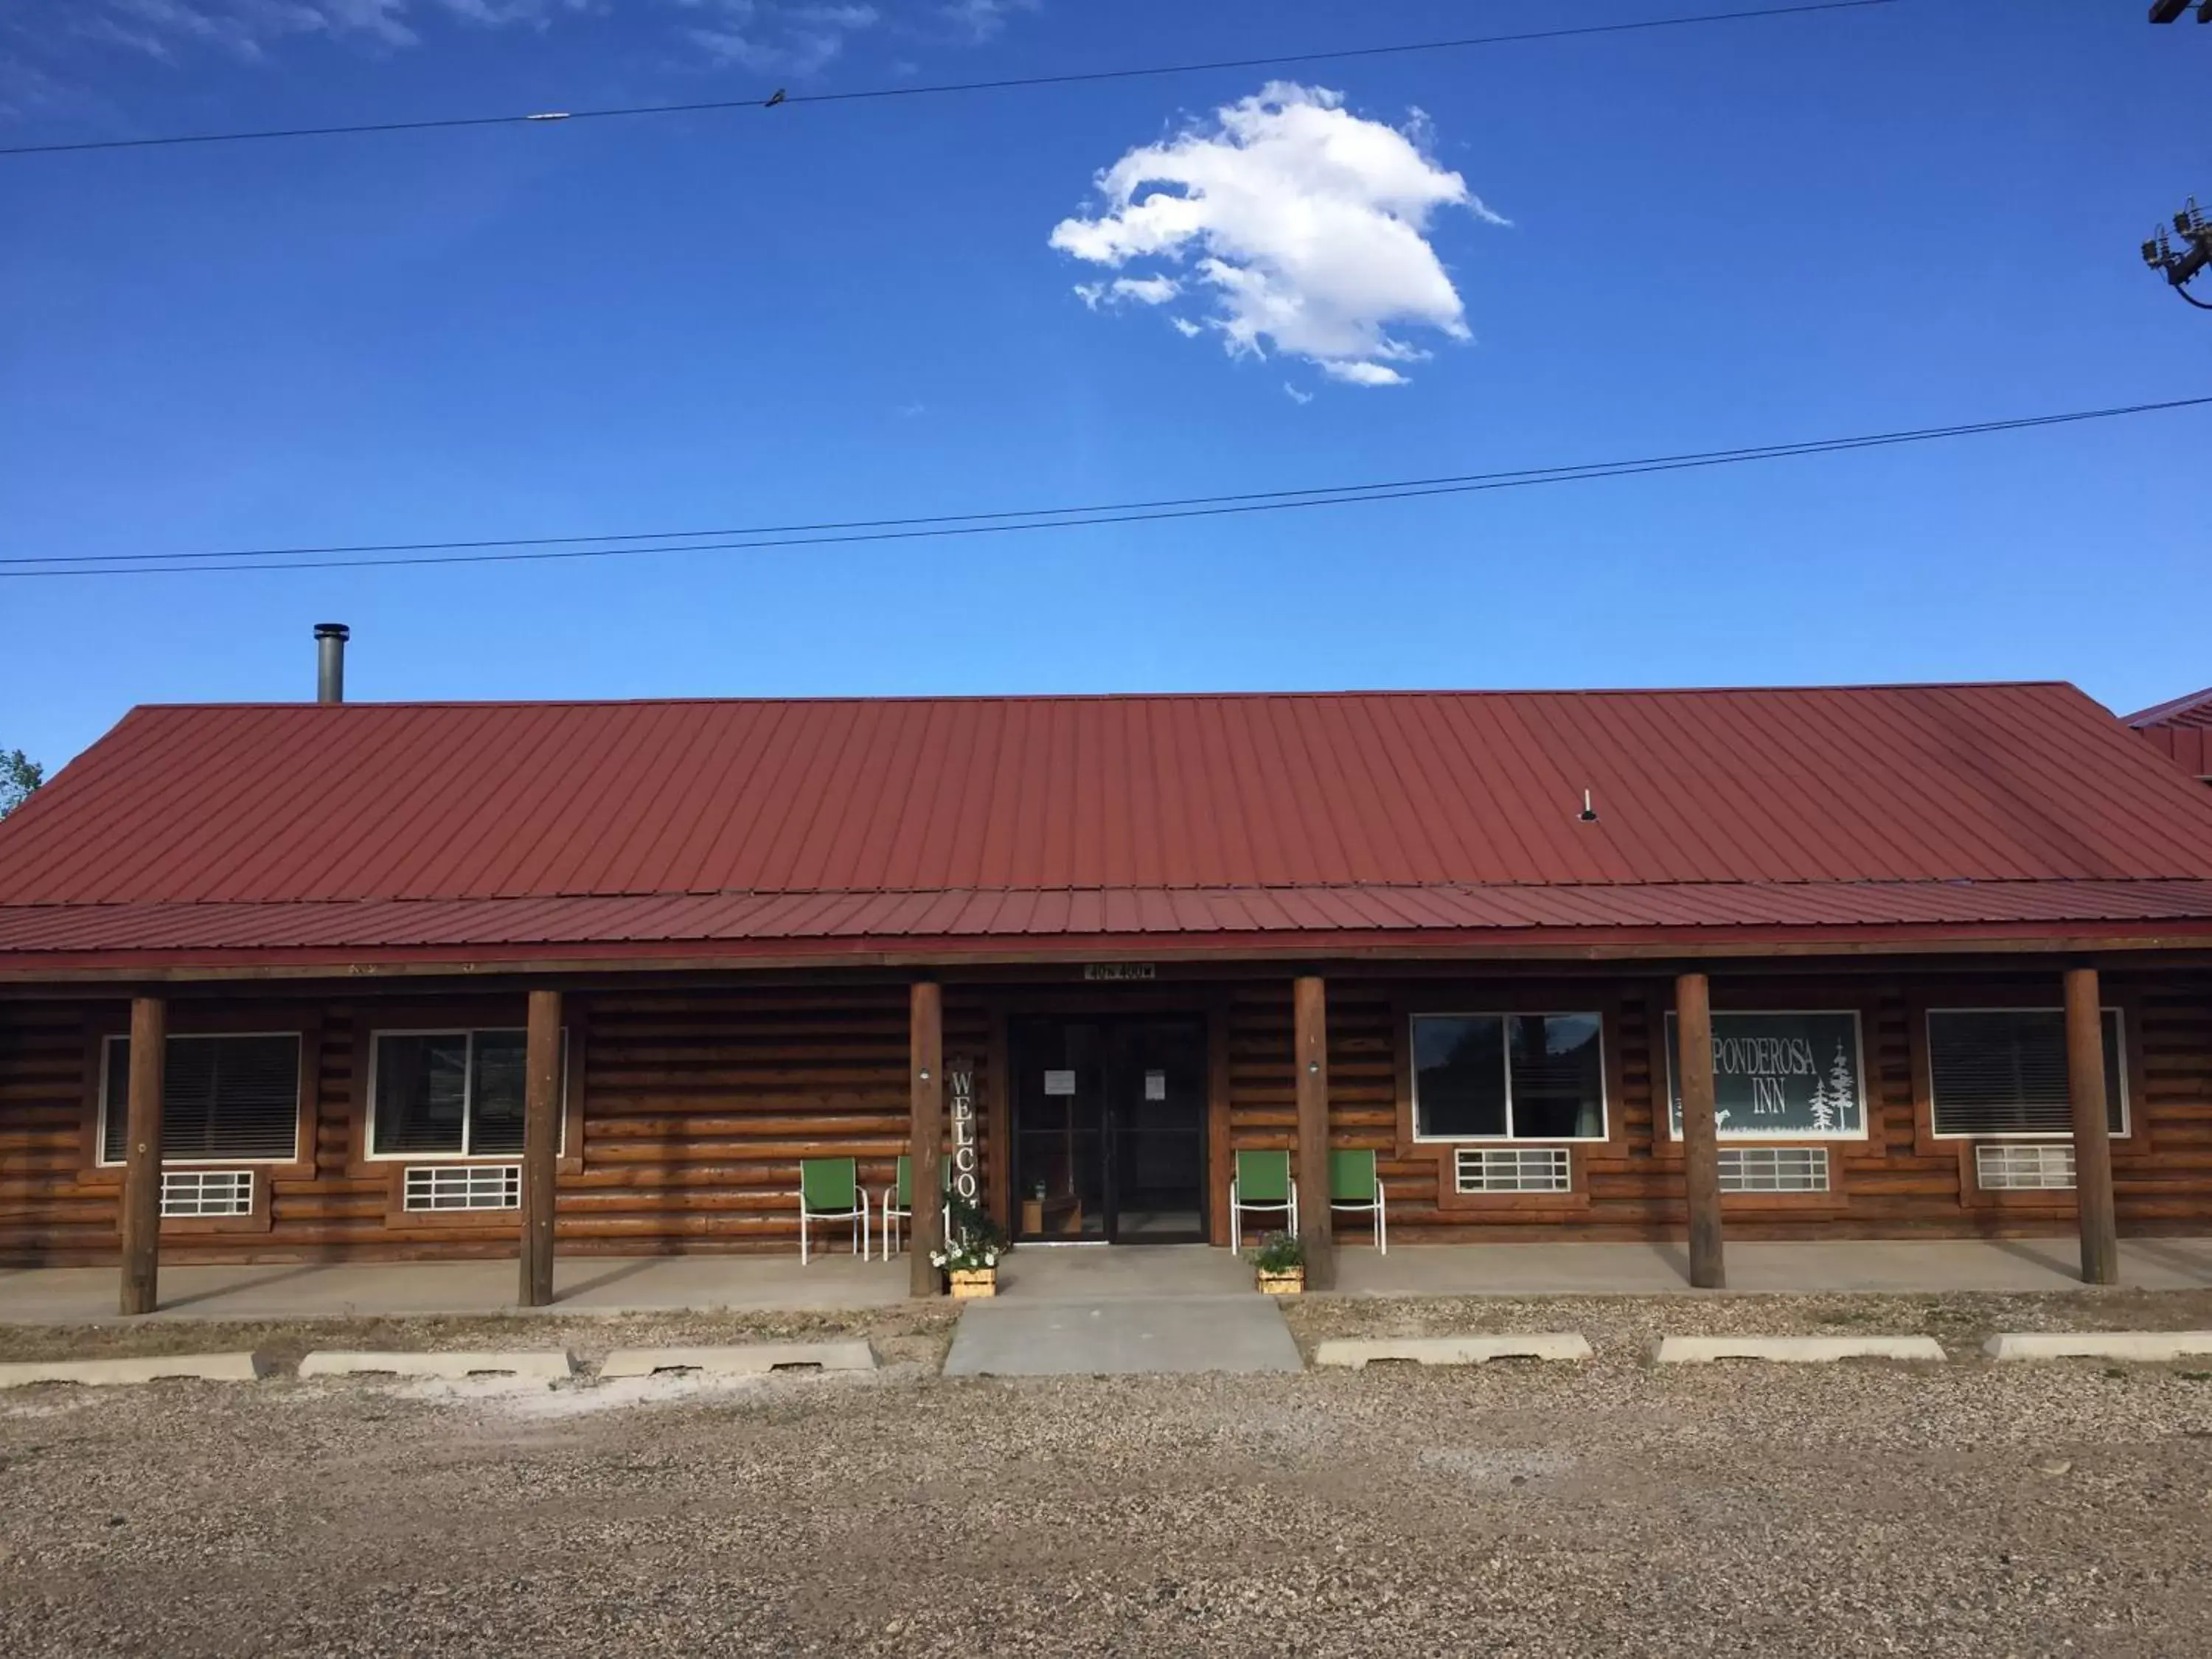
[{"x": 964, "y": 1155}]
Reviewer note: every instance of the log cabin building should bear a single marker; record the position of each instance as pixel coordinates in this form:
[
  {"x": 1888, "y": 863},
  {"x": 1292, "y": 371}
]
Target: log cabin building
[{"x": 331, "y": 979}]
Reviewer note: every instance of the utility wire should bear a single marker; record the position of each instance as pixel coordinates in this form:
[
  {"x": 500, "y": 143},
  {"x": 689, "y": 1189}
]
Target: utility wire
[
  {"x": 1349, "y": 492},
  {"x": 942, "y": 88},
  {"x": 1134, "y": 513}
]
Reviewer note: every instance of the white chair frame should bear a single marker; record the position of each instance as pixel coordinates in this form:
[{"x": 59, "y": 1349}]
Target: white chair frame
[
  {"x": 893, "y": 1215},
  {"x": 1379, "y": 1209},
  {"x": 1238, "y": 1207},
  {"x": 858, "y": 1218}
]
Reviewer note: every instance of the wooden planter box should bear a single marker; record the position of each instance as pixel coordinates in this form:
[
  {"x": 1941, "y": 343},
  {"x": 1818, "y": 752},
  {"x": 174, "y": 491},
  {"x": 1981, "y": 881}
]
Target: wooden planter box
[
  {"x": 1292, "y": 1283},
  {"x": 981, "y": 1281}
]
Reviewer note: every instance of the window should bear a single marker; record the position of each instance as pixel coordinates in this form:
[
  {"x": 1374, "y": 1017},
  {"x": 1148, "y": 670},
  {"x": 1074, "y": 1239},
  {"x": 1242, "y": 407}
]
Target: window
[
  {"x": 1509, "y": 1077},
  {"x": 2002, "y": 1072},
  {"x": 223, "y": 1099},
  {"x": 449, "y": 1094}
]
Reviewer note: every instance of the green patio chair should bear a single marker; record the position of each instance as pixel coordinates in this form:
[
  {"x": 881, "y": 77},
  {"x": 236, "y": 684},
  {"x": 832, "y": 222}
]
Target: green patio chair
[
  {"x": 1262, "y": 1183},
  {"x": 1354, "y": 1185},
  {"x": 902, "y": 1208},
  {"x": 830, "y": 1190}
]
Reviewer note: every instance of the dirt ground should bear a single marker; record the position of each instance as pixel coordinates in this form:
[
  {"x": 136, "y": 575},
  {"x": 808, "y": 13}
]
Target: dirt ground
[{"x": 1611, "y": 1507}]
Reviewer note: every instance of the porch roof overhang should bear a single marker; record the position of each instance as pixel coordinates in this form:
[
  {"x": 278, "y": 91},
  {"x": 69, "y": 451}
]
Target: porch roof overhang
[{"x": 665, "y": 932}]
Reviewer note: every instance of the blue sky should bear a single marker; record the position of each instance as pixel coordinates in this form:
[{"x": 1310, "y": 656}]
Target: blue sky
[{"x": 1760, "y": 232}]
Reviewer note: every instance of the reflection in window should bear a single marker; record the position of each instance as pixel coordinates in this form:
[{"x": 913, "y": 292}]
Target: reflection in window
[{"x": 1510, "y": 1076}]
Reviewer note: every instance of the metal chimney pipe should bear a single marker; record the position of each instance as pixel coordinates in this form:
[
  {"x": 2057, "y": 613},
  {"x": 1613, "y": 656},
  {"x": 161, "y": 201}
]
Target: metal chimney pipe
[{"x": 329, "y": 661}]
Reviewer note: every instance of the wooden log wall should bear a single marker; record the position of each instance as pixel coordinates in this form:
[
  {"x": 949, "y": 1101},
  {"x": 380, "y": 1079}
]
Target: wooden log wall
[{"x": 696, "y": 1107}]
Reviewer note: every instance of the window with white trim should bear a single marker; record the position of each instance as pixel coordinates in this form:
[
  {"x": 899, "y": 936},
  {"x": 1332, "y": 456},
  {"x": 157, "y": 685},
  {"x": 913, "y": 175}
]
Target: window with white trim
[
  {"x": 1509, "y": 1077},
  {"x": 449, "y": 1094},
  {"x": 225, "y": 1099},
  {"x": 2002, "y": 1072}
]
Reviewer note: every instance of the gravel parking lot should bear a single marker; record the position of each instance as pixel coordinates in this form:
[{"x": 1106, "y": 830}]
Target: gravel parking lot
[{"x": 1613, "y": 1507}]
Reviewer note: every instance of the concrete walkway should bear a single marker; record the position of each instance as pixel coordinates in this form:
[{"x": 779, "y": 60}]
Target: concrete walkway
[
  {"x": 1090, "y": 1311},
  {"x": 1085, "y": 1274}
]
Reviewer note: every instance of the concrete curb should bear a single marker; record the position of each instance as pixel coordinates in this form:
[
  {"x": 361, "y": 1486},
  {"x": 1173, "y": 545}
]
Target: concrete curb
[
  {"x": 1452, "y": 1350},
  {"x": 741, "y": 1359},
  {"x": 531, "y": 1364},
  {"x": 1794, "y": 1350},
  {"x": 100, "y": 1373},
  {"x": 2144, "y": 1347}
]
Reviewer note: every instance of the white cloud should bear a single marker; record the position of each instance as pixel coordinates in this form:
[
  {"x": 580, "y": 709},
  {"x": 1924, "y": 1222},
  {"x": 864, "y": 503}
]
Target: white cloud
[
  {"x": 981, "y": 19},
  {"x": 1363, "y": 373},
  {"x": 246, "y": 28},
  {"x": 1187, "y": 329},
  {"x": 793, "y": 37},
  {"x": 1306, "y": 222},
  {"x": 1297, "y": 395},
  {"x": 1144, "y": 290},
  {"x": 773, "y": 39},
  {"x": 1147, "y": 290}
]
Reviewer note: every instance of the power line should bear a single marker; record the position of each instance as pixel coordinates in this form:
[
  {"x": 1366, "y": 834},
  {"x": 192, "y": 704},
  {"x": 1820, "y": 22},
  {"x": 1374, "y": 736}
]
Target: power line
[
  {"x": 985, "y": 524},
  {"x": 942, "y": 88},
  {"x": 1104, "y": 510}
]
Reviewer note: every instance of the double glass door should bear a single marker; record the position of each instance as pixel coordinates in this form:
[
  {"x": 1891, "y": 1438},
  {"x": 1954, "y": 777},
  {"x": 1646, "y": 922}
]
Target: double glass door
[{"x": 1109, "y": 1129}]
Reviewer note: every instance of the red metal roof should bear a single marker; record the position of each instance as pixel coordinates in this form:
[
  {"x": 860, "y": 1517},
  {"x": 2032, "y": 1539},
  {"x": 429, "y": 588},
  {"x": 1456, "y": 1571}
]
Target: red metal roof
[
  {"x": 2181, "y": 730},
  {"x": 975, "y": 824},
  {"x": 2194, "y": 710}
]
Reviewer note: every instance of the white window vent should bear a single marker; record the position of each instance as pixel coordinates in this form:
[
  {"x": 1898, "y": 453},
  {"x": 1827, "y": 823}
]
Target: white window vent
[
  {"x": 464, "y": 1186},
  {"x": 187, "y": 1193},
  {"x": 1514, "y": 1169},
  {"x": 2015, "y": 1168},
  {"x": 1774, "y": 1169}
]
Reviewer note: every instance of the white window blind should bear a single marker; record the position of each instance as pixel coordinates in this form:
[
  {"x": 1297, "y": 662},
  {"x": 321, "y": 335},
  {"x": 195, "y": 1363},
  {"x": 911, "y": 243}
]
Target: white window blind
[
  {"x": 223, "y": 1097},
  {"x": 2002, "y": 1072}
]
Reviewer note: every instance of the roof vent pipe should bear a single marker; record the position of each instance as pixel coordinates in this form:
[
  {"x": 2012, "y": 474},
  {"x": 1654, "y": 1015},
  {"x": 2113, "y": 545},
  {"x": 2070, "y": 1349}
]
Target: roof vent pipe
[{"x": 329, "y": 661}]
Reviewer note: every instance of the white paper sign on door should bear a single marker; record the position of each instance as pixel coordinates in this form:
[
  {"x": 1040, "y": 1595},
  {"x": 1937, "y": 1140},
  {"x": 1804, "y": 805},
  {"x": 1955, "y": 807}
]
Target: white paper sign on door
[
  {"x": 1060, "y": 1082},
  {"x": 1156, "y": 1086}
]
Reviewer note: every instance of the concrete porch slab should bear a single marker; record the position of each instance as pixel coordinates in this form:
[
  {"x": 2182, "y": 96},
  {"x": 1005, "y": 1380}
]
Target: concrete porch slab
[
  {"x": 1896, "y": 1266},
  {"x": 777, "y": 1283},
  {"x": 343, "y": 1290}
]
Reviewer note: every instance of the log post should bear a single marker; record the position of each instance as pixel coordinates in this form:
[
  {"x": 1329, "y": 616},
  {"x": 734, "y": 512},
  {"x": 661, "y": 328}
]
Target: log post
[
  {"x": 541, "y": 1143},
  {"x": 2093, "y": 1140},
  {"x": 926, "y": 1056},
  {"x": 1309, "y": 1053},
  {"x": 1701, "y": 1151},
  {"x": 141, "y": 1169}
]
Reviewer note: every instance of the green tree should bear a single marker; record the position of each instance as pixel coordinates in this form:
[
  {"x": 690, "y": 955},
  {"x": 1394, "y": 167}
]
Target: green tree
[{"x": 19, "y": 776}]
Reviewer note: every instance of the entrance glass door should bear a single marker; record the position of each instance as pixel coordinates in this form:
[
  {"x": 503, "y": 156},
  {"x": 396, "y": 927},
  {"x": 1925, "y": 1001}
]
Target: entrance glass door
[{"x": 1109, "y": 1129}]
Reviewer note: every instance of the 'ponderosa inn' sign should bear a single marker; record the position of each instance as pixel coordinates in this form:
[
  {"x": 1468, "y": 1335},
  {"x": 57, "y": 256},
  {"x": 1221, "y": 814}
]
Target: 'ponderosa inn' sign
[{"x": 1792, "y": 1076}]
